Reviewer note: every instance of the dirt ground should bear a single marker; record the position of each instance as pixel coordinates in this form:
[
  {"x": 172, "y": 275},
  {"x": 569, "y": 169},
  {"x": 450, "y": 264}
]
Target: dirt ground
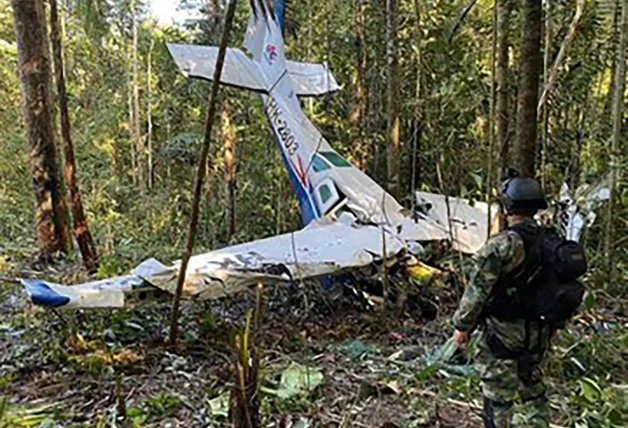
[
  {"x": 89, "y": 368},
  {"x": 113, "y": 368}
]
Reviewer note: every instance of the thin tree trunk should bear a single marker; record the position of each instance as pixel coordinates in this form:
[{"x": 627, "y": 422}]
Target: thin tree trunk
[
  {"x": 502, "y": 78},
  {"x": 81, "y": 228},
  {"x": 460, "y": 21},
  {"x": 393, "y": 125},
  {"x": 530, "y": 69},
  {"x": 149, "y": 115},
  {"x": 202, "y": 170},
  {"x": 137, "y": 130},
  {"x": 575, "y": 167},
  {"x": 51, "y": 214},
  {"x": 612, "y": 48},
  {"x": 492, "y": 120},
  {"x": 131, "y": 127},
  {"x": 360, "y": 151},
  {"x": 377, "y": 91},
  {"x": 418, "y": 120},
  {"x": 229, "y": 152},
  {"x": 617, "y": 119},
  {"x": 544, "y": 108}
]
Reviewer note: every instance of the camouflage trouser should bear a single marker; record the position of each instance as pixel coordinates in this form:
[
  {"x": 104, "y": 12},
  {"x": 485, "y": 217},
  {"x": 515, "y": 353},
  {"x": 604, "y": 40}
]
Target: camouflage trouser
[{"x": 504, "y": 380}]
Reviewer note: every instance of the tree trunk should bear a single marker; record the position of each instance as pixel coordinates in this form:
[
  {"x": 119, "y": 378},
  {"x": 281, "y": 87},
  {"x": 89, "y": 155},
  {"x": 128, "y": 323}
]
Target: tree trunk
[
  {"x": 202, "y": 171},
  {"x": 81, "y": 228},
  {"x": 358, "y": 114},
  {"x": 612, "y": 47},
  {"x": 137, "y": 130},
  {"x": 617, "y": 119},
  {"x": 546, "y": 73},
  {"x": 575, "y": 166},
  {"x": 229, "y": 153},
  {"x": 149, "y": 115},
  {"x": 131, "y": 128},
  {"x": 502, "y": 78},
  {"x": 492, "y": 120},
  {"x": 51, "y": 214},
  {"x": 394, "y": 143},
  {"x": 417, "y": 132},
  {"x": 530, "y": 69}
]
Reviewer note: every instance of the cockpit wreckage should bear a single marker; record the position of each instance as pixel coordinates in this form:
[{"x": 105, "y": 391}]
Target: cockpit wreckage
[{"x": 350, "y": 222}]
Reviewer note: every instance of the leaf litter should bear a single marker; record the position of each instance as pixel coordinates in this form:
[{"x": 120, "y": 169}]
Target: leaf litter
[{"x": 325, "y": 364}]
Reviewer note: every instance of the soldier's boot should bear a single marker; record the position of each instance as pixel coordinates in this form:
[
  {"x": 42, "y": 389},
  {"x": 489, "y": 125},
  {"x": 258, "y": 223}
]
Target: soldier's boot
[
  {"x": 497, "y": 414},
  {"x": 541, "y": 414}
]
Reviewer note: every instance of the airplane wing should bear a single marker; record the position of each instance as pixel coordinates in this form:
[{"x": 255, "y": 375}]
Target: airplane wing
[
  {"x": 238, "y": 70},
  {"x": 321, "y": 249}
]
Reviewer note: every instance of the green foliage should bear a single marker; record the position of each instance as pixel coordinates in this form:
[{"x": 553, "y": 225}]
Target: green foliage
[
  {"x": 163, "y": 405},
  {"x": 25, "y": 417},
  {"x": 445, "y": 107}
]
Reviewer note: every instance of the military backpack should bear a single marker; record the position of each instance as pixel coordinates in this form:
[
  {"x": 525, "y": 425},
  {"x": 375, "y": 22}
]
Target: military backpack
[{"x": 545, "y": 287}]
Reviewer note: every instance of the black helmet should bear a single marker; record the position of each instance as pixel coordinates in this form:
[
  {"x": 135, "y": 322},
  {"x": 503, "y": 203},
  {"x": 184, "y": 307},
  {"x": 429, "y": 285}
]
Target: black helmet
[{"x": 523, "y": 194}]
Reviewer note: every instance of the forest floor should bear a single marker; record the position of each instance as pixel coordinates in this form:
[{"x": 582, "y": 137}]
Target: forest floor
[{"x": 91, "y": 368}]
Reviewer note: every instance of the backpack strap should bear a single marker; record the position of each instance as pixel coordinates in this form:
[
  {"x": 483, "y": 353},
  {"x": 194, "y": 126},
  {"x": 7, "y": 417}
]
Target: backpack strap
[
  {"x": 509, "y": 306},
  {"x": 503, "y": 304},
  {"x": 532, "y": 236}
]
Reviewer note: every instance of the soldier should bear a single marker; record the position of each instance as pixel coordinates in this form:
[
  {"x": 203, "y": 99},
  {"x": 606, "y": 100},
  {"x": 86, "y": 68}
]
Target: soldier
[{"x": 511, "y": 349}]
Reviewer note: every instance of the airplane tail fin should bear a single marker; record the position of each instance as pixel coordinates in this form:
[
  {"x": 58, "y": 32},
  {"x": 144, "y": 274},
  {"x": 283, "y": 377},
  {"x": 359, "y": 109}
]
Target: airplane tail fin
[{"x": 264, "y": 39}]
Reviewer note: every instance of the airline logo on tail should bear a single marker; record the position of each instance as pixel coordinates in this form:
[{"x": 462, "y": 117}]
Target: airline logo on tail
[{"x": 271, "y": 54}]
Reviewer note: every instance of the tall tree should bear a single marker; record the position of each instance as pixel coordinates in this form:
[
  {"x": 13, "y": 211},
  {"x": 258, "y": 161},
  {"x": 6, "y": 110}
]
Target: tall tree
[
  {"x": 617, "y": 119},
  {"x": 417, "y": 133},
  {"x": 229, "y": 150},
  {"x": 547, "y": 49},
  {"x": 359, "y": 111},
  {"x": 137, "y": 130},
  {"x": 149, "y": 115},
  {"x": 393, "y": 125},
  {"x": 33, "y": 46},
  {"x": 81, "y": 228},
  {"x": 529, "y": 75},
  {"x": 502, "y": 69}
]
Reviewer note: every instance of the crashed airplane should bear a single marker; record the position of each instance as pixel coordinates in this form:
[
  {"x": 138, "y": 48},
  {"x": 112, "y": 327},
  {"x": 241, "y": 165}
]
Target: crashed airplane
[{"x": 350, "y": 222}]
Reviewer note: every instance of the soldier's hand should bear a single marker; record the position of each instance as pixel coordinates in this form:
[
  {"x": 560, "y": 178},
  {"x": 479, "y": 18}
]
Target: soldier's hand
[{"x": 461, "y": 338}]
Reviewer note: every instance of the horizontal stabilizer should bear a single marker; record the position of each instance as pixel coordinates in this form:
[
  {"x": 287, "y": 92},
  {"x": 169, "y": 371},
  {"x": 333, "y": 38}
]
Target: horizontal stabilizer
[
  {"x": 238, "y": 70},
  {"x": 311, "y": 80}
]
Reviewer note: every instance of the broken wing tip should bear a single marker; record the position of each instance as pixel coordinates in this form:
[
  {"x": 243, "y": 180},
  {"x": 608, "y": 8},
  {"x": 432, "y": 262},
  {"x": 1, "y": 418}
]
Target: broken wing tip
[{"x": 41, "y": 294}]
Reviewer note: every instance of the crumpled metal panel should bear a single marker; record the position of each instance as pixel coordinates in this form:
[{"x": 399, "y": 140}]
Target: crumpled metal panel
[
  {"x": 578, "y": 209},
  {"x": 109, "y": 293},
  {"x": 316, "y": 251},
  {"x": 311, "y": 79},
  {"x": 321, "y": 249},
  {"x": 466, "y": 224}
]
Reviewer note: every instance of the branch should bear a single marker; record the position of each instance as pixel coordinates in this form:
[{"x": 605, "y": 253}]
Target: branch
[
  {"x": 569, "y": 38},
  {"x": 202, "y": 170},
  {"x": 460, "y": 21}
]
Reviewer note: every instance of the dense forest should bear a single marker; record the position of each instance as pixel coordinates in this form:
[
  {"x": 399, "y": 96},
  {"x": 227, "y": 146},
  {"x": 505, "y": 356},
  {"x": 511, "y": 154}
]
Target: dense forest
[{"x": 100, "y": 141}]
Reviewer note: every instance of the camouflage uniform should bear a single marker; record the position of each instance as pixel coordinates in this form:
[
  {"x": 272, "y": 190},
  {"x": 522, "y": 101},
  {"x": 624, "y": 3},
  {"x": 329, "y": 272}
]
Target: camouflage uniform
[{"x": 503, "y": 379}]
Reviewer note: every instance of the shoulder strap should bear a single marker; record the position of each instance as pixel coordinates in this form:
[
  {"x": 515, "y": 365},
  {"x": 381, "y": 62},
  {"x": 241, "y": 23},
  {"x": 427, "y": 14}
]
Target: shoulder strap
[{"x": 532, "y": 236}]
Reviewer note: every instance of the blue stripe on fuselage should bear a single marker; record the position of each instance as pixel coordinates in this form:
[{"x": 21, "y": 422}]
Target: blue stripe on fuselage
[{"x": 309, "y": 211}]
